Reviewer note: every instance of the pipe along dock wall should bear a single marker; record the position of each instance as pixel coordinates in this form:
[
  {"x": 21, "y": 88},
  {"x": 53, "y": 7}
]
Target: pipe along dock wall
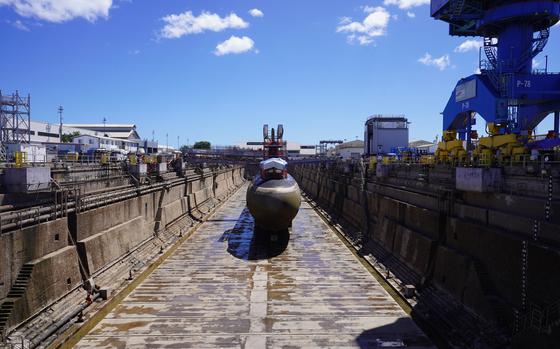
[
  {"x": 468, "y": 245},
  {"x": 41, "y": 263}
]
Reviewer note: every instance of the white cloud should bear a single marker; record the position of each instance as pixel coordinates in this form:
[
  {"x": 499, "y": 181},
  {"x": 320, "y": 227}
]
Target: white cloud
[
  {"x": 134, "y": 52},
  {"x": 406, "y": 4},
  {"x": 344, "y": 20},
  {"x": 469, "y": 45},
  {"x": 178, "y": 25},
  {"x": 536, "y": 64},
  {"x": 19, "y": 25},
  {"x": 256, "y": 12},
  {"x": 234, "y": 45},
  {"x": 441, "y": 63},
  {"x": 374, "y": 25},
  {"x": 60, "y": 10},
  {"x": 410, "y": 14}
]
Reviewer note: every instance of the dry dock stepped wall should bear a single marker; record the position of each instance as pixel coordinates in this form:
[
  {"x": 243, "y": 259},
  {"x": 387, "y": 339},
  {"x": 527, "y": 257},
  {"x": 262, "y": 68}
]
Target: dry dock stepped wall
[
  {"x": 496, "y": 254},
  {"x": 41, "y": 263}
]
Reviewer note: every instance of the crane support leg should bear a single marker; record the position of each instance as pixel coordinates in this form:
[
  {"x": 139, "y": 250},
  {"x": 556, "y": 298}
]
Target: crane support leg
[{"x": 556, "y": 123}]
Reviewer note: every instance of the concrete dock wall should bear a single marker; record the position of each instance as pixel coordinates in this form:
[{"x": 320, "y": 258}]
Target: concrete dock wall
[
  {"x": 27, "y": 244},
  {"x": 468, "y": 244},
  {"x": 52, "y": 276},
  {"x": 41, "y": 263}
]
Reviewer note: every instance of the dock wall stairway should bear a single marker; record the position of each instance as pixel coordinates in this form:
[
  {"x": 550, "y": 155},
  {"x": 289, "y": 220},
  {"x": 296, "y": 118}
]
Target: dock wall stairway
[{"x": 17, "y": 291}]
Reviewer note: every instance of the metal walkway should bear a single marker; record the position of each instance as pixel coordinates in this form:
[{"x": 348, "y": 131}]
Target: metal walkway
[{"x": 224, "y": 288}]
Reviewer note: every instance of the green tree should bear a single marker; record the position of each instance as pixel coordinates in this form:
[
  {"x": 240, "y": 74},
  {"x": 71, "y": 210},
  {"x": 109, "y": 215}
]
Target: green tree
[
  {"x": 202, "y": 145},
  {"x": 69, "y": 137},
  {"x": 184, "y": 149}
]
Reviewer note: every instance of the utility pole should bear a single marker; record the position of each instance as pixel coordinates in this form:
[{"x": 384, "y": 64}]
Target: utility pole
[
  {"x": 104, "y": 126},
  {"x": 178, "y": 145},
  {"x": 48, "y": 129},
  {"x": 167, "y": 142},
  {"x": 60, "y": 110}
]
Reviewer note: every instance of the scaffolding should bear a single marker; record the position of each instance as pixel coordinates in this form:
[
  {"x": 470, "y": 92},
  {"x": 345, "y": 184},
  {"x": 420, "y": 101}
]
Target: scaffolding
[
  {"x": 323, "y": 146},
  {"x": 15, "y": 121}
]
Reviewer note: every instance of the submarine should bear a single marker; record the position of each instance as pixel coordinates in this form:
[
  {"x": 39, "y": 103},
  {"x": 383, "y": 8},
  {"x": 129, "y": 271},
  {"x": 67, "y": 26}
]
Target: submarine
[{"x": 273, "y": 196}]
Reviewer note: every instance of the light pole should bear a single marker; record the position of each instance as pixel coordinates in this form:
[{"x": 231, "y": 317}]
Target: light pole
[
  {"x": 60, "y": 110},
  {"x": 48, "y": 128}
]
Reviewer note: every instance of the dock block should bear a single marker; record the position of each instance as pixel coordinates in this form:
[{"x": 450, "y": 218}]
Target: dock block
[
  {"x": 26, "y": 179},
  {"x": 478, "y": 179}
]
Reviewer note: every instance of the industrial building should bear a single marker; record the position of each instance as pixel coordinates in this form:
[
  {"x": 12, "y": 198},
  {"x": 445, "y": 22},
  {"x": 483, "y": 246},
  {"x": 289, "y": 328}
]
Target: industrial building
[
  {"x": 385, "y": 133},
  {"x": 293, "y": 149},
  {"x": 350, "y": 150},
  {"x": 114, "y": 136},
  {"x": 423, "y": 147},
  {"x": 41, "y": 131},
  {"x": 118, "y": 131},
  {"x": 297, "y": 150},
  {"x": 90, "y": 142},
  {"x": 33, "y": 136}
]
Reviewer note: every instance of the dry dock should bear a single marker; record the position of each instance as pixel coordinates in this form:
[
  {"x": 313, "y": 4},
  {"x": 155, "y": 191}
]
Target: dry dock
[{"x": 224, "y": 288}]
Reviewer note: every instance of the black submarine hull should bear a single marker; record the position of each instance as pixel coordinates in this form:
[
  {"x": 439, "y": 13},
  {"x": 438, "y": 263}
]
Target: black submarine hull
[{"x": 273, "y": 203}]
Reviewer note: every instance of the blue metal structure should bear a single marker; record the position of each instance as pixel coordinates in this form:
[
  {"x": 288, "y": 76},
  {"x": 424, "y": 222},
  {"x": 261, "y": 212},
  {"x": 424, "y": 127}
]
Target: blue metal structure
[{"x": 507, "y": 92}]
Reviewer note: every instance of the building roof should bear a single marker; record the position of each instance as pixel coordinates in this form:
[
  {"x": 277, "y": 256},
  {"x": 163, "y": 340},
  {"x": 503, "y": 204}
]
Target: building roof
[
  {"x": 121, "y": 131},
  {"x": 107, "y": 138},
  {"x": 351, "y": 144},
  {"x": 419, "y": 143},
  {"x": 132, "y": 134},
  {"x": 386, "y": 118},
  {"x": 98, "y": 127}
]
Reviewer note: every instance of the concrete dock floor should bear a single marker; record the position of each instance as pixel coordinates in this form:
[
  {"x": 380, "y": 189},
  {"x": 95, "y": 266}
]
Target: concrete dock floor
[{"x": 227, "y": 288}]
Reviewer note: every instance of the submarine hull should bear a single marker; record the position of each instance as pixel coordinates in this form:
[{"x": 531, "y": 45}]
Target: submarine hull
[{"x": 273, "y": 203}]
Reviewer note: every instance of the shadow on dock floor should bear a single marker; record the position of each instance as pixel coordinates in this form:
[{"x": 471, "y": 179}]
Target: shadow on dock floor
[{"x": 247, "y": 243}]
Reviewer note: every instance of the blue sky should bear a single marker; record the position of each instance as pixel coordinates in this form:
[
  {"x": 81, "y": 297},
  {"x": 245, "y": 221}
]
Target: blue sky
[{"x": 318, "y": 67}]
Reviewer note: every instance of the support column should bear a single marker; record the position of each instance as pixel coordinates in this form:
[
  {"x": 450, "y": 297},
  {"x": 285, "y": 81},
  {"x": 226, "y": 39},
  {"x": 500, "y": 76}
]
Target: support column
[{"x": 556, "y": 123}]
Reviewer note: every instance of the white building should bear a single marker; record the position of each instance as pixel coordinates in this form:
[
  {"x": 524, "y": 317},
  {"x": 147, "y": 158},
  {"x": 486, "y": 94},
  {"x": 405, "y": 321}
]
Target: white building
[
  {"x": 90, "y": 142},
  {"x": 424, "y": 146},
  {"x": 162, "y": 148},
  {"x": 107, "y": 136},
  {"x": 349, "y": 150},
  {"x": 296, "y": 150},
  {"x": 43, "y": 132},
  {"x": 120, "y": 131},
  {"x": 33, "y": 152}
]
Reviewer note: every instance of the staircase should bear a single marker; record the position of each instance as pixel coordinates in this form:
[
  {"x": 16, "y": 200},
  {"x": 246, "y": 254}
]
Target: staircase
[
  {"x": 537, "y": 47},
  {"x": 499, "y": 307},
  {"x": 553, "y": 315},
  {"x": 490, "y": 50},
  {"x": 457, "y": 7},
  {"x": 17, "y": 291}
]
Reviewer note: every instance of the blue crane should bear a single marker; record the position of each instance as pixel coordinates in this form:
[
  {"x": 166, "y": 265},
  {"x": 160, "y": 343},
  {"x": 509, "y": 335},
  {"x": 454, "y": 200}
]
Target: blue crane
[{"x": 507, "y": 93}]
